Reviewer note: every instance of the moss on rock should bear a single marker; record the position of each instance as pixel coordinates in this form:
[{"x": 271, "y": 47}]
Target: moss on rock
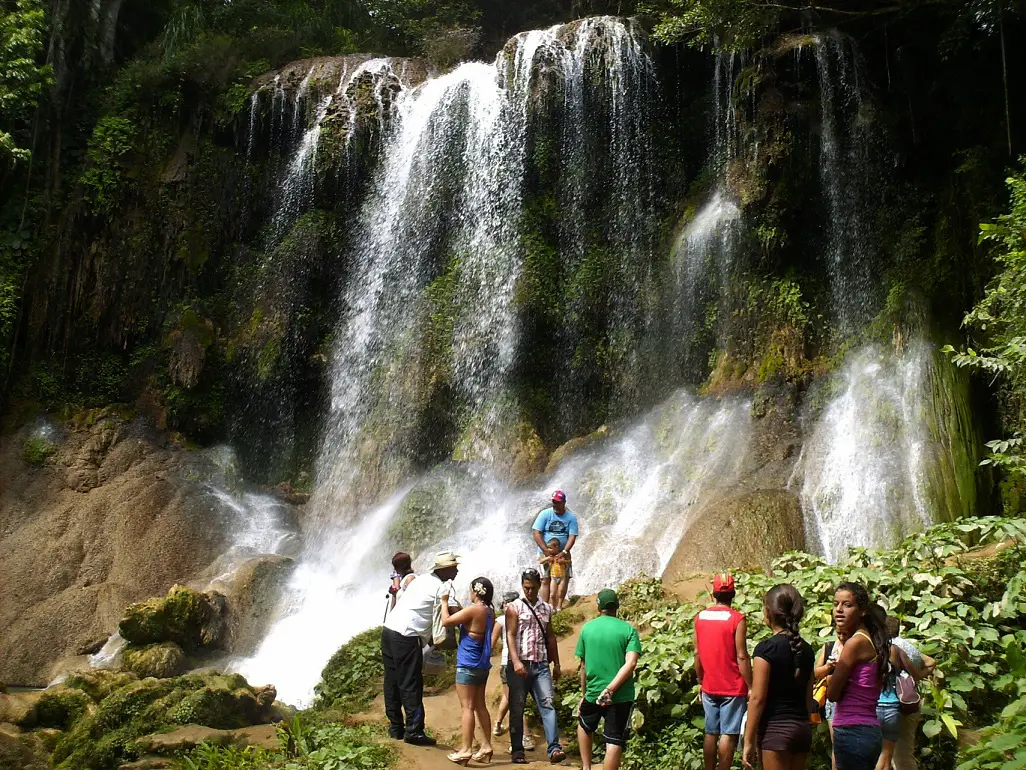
[
  {"x": 186, "y": 617},
  {"x": 351, "y": 678},
  {"x": 61, "y": 708},
  {"x": 162, "y": 660},
  {"x": 105, "y": 738}
]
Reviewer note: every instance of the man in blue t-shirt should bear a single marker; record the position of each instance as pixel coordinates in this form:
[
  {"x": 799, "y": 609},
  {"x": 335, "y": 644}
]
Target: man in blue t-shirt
[{"x": 560, "y": 523}]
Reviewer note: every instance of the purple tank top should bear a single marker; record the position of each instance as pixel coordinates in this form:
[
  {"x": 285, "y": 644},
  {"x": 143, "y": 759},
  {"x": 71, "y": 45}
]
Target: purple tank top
[{"x": 858, "y": 704}]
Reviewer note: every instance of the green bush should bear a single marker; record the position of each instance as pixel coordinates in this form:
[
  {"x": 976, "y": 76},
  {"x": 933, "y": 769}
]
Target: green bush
[
  {"x": 563, "y": 622},
  {"x": 324, "y": 747},
  {"x": 352, "y": 678},
  {"x": 641, "y": 595},
  {"x": 964, "y": 611}
]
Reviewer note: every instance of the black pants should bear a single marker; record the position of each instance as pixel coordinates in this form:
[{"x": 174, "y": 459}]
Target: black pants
[{"x": 404, "y": 683}]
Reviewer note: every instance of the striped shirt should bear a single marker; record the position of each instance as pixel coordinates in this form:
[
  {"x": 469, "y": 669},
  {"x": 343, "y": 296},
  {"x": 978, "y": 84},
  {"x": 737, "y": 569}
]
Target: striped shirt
[{"x": 531, "y": 638}]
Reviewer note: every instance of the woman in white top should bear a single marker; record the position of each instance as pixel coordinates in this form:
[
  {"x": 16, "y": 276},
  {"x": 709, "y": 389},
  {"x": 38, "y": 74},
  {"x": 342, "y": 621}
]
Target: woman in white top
[{"x": 499, "y": 633}]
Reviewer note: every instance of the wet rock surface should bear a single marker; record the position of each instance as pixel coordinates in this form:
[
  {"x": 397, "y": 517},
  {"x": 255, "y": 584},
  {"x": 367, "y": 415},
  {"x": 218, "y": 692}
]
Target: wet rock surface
[{"x": 114, "y": 516}]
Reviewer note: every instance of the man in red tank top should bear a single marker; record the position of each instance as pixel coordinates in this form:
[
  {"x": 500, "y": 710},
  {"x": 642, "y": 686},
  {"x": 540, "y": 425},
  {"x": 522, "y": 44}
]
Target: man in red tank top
[{"x": 724, "y": 671}]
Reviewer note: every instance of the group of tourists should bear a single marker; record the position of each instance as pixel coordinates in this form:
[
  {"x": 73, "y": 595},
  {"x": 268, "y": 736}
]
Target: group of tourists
[{"x": 863, "y": 681}]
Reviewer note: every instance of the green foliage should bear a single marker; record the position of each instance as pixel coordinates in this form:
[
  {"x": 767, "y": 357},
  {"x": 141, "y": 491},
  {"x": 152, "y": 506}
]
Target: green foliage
[
  {"x": 303, "y": 747},
  {"x": 563, "y": 622},
  {"x": 128, "y": 709},
  {"x": 37, "y": 449},
  {"x": 639, "y": 596},
  {"x": 1002, "y": 745},
  {"x": 999, "y": 319},
  {"x": 22, "y": 76},
  {"x": 965, "y": 611},
  {"x": 113, "y": 138},
  {"x": 352, "y": 677}
]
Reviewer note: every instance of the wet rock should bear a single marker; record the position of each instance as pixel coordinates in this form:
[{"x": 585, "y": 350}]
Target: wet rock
[
  {"x": 184, "y": 739},
  {"x": 573, "y": 446},
  {"x": 21, "y": 708},
  {"x": 162, "y": 660},
  {"x": 71, "y": 562},
  {"x": 147, "y": 763},
  {"x": 252, "y": 594},
  {"x": 743, "y": 530},
  {"x": 19, "y": 754},
  {"x": 190, "y": 619}
]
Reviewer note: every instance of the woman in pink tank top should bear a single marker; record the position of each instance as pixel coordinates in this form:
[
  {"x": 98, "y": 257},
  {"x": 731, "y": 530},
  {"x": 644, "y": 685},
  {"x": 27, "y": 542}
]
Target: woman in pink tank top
[{"x": 858, "y": 678}]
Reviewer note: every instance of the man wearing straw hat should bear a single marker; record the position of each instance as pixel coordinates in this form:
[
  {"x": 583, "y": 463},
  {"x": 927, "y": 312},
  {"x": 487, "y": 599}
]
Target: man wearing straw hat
[{"x": 407, "y": 628}]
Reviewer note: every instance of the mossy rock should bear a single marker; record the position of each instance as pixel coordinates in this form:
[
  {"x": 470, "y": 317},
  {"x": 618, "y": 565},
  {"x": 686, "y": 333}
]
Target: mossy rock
[
  {"x": 98, "y": 683},
  {"x": 18, "y": 753},
  {"x": 62, "y": 707},
  {"x": 351, "y": 679},
  {"x": 106, "y": 738},
  {"x": 188, "y": 618},
  {"x": 162, "y": 660}
]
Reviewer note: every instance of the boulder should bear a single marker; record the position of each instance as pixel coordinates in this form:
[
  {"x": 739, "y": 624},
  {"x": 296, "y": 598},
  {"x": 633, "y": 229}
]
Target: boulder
[
  {"x": 186, "y": 738},
  {"x": 252, "y": 594},
  {"x": 71, "y": 561},
  {"x": 183, "y": 739},
  {"x": 162, "y": 660},
  {"x": 19, "y": 708},
  {"x": 188, "y": 618},
  {"x": 744, "y": 530},
  {"x": 19, "y": 754}
]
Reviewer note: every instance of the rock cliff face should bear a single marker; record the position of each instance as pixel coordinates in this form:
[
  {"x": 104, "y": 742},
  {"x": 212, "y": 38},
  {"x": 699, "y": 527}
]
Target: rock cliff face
[{"x": 113, "y": 515}]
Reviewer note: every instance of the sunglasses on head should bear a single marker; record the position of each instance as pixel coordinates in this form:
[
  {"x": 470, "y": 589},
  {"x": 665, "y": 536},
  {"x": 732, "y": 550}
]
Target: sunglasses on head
[{"x": 530, "y": 574}]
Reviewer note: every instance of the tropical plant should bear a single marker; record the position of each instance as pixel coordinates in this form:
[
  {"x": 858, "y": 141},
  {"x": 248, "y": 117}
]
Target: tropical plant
[
  {"x": 964, "y": 609},
  {"x": 22, "y": 75},
  {"x": 999, "y": 324}
]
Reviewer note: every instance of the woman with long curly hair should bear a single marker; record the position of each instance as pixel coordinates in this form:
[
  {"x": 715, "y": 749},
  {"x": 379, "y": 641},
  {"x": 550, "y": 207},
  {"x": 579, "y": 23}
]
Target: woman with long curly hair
[
  {"x": 858, "y": 678},
  {"x": 778, "y": 729}
]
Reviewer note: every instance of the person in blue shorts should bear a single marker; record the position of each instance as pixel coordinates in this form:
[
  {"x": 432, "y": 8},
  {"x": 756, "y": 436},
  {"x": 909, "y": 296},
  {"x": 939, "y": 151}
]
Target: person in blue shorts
[{"x": 557, "y": 522}]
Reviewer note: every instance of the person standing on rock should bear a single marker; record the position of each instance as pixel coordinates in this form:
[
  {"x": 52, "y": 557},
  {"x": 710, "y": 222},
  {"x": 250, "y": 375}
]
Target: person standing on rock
[
  {"x": 724, "y": 671},
  {"x": 608, "y": 649},
  {"x": 532, "y": 647},
  {"x": 557, "y": 522},
  {"x": 407, "y": 628}
]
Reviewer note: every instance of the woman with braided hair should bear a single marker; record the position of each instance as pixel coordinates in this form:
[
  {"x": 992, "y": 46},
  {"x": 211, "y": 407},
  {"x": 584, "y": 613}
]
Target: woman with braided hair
[
  {"x": 778, "y": 732},
  {"x": 473, "y": 661}
]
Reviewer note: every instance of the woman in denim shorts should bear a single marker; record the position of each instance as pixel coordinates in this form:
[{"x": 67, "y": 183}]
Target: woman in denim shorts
[{"x": 473, "y": 661}]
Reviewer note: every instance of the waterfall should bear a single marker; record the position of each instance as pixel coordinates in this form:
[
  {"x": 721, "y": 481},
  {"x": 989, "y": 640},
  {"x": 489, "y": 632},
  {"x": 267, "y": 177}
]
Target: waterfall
[
  {"x": 438, "y": 239},
  {"x": 847, "y": 157},
  {"x": 703, "y": 255},
  {"x": 634, "y": 493},
  {"x": 891, "y": 452}
]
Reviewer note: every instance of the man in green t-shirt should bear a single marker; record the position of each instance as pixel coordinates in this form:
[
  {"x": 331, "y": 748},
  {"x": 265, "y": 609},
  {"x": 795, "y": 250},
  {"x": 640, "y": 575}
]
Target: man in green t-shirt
[{"x": 609, "y": 649}]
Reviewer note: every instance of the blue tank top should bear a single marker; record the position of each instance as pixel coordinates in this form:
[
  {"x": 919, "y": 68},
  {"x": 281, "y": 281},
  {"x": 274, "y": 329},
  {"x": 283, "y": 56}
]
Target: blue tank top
[{"x": 475, "y": 653}]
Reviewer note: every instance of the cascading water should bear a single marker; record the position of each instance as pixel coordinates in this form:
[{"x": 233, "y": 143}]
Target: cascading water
[
  {"x": 889, "y": 455},
  {"x": 704, "y": 252},
  {"x": 634, "y": 493},
  {"x": 848, "y": 153},
  {"x": 441, "y": 225}
]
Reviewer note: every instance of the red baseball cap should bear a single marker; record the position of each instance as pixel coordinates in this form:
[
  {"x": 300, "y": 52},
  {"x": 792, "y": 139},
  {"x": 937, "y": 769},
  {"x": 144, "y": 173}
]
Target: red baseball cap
[
  {"x": 559, "y": 496},
  {"x": 723, "y": 581}
]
